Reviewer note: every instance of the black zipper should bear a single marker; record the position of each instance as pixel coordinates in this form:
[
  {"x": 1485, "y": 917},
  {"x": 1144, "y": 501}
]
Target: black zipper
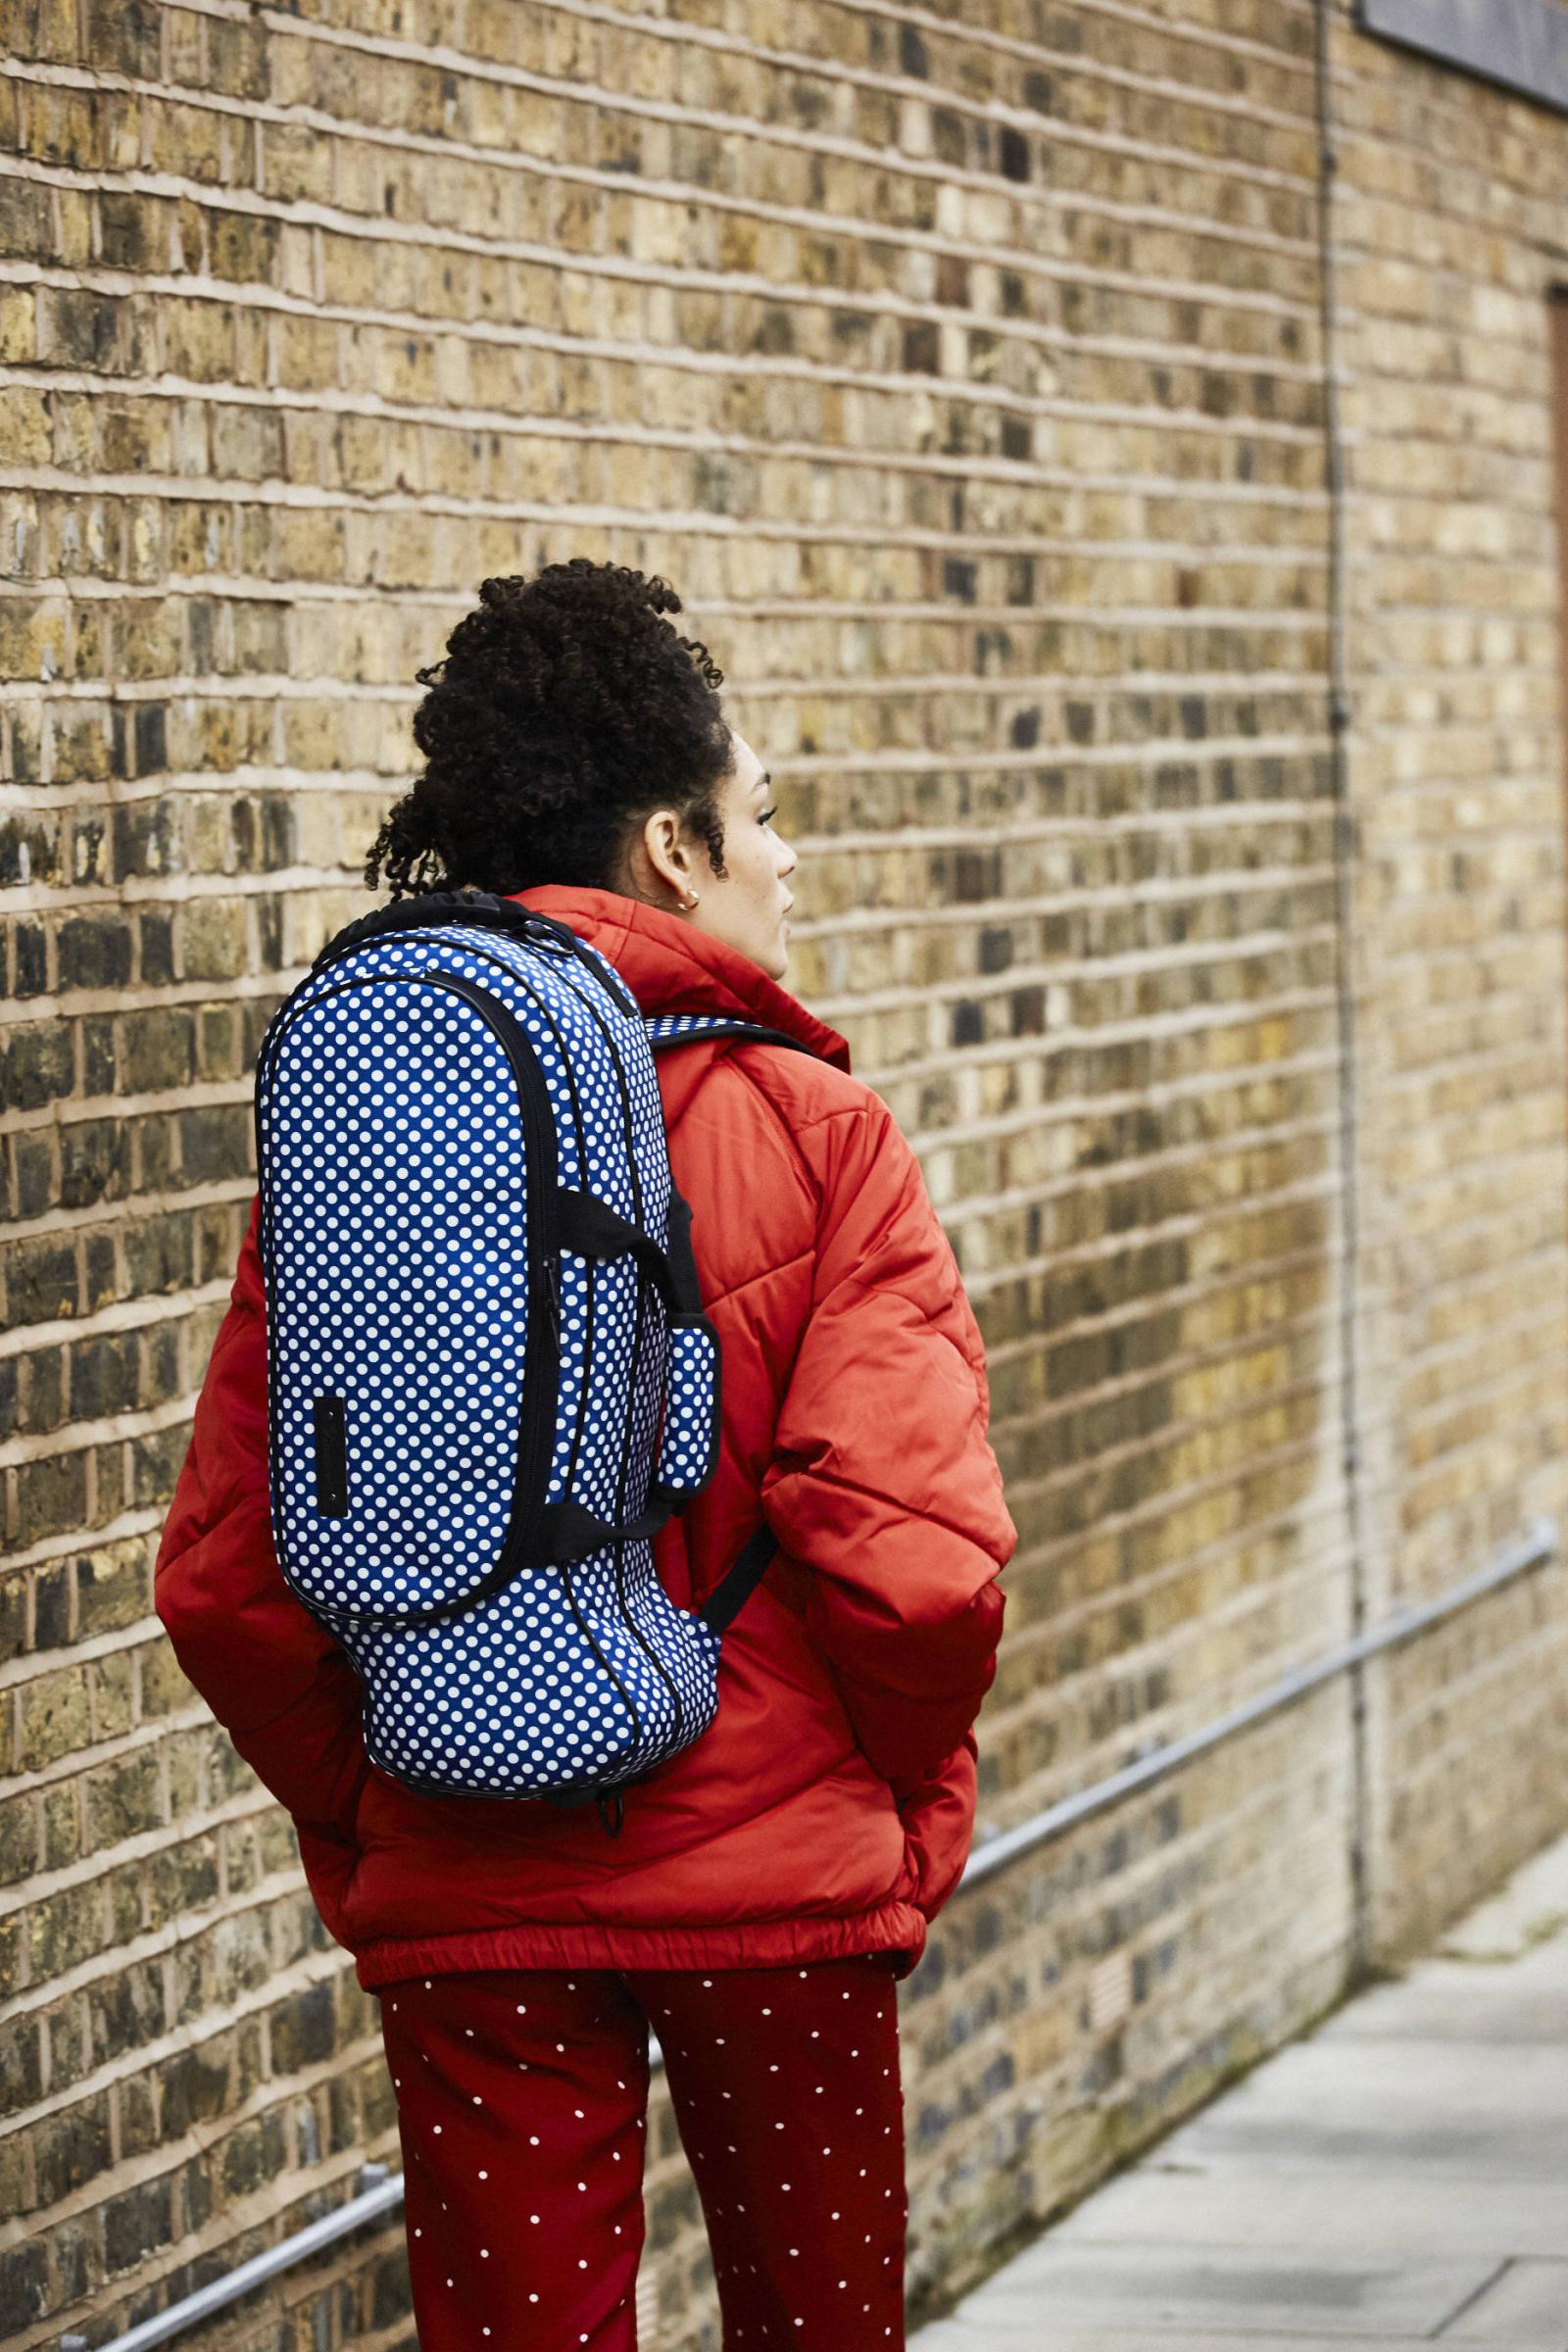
[{"x": 542, "y": 1361}]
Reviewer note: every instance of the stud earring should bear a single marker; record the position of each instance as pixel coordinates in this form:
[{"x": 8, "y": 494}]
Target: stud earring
[{"x": 692, "y": 899}]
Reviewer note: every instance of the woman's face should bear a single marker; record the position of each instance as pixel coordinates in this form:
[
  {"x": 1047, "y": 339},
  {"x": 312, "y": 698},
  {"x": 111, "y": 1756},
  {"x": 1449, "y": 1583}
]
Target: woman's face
[{"x": 746, "y": 906}]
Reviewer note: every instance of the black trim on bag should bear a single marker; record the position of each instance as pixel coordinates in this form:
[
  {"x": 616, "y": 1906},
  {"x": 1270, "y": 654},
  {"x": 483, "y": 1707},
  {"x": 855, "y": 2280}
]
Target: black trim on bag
[
  {"x": 331, "y": 1457},
  {"x": 746, "y": 1572},
  {"x": 689, "y": 1315}
]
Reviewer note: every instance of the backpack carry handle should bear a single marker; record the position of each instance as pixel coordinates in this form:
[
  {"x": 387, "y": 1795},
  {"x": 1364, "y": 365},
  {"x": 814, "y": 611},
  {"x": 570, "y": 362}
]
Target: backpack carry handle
[
  {"x": 591, "y": 1228},
  {"x": 433, "y": 907}
]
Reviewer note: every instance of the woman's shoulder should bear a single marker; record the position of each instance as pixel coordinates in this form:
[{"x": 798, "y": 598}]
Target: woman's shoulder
[
  {"x": 793, "y": 1073},
  {"x": 836, "y": 1130},
  {"x": 804, "y": 1091}
]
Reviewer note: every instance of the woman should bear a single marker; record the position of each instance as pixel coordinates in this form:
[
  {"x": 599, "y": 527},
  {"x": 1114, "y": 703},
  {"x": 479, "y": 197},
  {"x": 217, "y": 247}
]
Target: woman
[{"x": 770, "y": 1882}]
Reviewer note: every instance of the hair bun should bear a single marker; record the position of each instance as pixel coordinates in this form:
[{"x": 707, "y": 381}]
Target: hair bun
[{"x": 565, "y": 707}]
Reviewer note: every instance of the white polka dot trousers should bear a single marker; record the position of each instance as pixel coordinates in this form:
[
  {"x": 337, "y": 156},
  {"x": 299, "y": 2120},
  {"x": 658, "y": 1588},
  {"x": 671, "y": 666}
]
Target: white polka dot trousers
[{"x": 522, "y": 2100}]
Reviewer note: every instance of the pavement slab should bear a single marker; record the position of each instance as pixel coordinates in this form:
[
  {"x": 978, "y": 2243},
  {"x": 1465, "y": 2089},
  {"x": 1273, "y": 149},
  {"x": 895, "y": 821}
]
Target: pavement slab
[
  {"x": 1159, "y": 2205},
  {"x": 1398, "y": 2178},
  {"x": 1226, "y": 2290},
  {"x": 1526, "y": 2303},
  {"x": 1495, "y": 2111}
]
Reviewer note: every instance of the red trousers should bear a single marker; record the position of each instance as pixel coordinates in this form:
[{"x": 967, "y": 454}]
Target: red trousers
[{"x": 522, "y": 2098}]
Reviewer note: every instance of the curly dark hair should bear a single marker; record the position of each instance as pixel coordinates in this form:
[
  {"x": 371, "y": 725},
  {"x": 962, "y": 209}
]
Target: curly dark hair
[{"x": 566, "y": 709}]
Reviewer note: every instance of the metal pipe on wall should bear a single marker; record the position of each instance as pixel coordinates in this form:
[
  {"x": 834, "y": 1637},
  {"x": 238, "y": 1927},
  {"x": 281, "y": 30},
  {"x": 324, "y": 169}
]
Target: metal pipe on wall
[{"x": 1351, "y": 1452}]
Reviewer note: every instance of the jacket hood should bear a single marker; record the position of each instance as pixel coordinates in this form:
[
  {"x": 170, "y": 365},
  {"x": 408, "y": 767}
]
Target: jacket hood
[{"x": 670, "y": 966}]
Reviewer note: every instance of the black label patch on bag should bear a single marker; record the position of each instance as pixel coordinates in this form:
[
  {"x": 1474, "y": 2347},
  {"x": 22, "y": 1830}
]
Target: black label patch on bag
[{"x": 332, "y": 1458}]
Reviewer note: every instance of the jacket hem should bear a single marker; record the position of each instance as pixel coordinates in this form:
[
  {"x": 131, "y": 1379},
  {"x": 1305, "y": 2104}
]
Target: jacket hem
[{"x": 895, "y": 1927}]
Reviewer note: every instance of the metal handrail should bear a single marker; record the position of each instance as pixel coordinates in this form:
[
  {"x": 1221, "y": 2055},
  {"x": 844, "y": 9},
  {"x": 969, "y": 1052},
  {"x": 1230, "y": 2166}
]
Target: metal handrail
[
  {"x": 1525, "y": 1551},
  {"x": 376, "y": 2198},
  {"x": 381, "y": 2194}
]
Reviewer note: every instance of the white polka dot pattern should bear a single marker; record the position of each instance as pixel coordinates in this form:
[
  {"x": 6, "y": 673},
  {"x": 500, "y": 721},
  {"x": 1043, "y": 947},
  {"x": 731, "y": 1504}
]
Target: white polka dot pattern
[
  {"x": 420, "y": 1098},
  {"x": 689, "y": 1450}
]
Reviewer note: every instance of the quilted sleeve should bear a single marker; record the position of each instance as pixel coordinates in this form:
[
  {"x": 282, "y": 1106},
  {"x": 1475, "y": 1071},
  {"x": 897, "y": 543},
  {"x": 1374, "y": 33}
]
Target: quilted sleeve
[
  {"x": 882, "y": 1485},
  {"x": 275, "y": 1679}
]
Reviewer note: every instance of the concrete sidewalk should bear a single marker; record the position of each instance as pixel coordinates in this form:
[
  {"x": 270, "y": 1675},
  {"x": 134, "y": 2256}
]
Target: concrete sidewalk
[{"x": 1398, "y": 2180}]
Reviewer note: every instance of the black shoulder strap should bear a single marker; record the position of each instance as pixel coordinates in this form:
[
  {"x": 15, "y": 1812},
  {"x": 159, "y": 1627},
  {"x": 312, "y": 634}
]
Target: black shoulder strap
[
  {"x": 715, "y": 1025},
  {"x": 739, "y": 1582}
]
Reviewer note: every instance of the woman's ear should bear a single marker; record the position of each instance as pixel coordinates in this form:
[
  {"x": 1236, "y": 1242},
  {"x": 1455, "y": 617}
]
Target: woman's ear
[{"x": 657, "y": 860}]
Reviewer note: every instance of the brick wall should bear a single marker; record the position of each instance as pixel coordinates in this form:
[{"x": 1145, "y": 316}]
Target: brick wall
[
  {"x": 971, "y": 387},
  {"x": 1451, "y": 227}
]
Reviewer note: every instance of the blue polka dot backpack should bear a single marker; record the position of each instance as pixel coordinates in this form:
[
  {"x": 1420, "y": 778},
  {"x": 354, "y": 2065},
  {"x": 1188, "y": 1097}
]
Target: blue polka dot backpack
[{"x": 489, "y": 1374}]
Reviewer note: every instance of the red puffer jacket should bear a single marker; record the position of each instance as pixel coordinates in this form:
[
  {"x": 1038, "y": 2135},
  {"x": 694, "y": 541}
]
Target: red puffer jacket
[{"x": 829, "y": 1807}]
